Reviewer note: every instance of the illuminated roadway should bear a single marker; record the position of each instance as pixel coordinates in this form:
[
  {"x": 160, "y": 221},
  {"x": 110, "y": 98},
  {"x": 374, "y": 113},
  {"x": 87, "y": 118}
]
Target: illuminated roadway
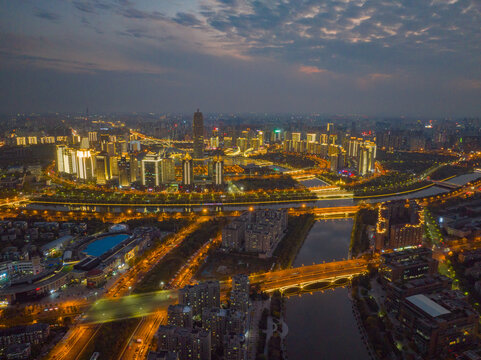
[
  {"x": 79, "y": 336},
  {"x": 132, "y": 306}
]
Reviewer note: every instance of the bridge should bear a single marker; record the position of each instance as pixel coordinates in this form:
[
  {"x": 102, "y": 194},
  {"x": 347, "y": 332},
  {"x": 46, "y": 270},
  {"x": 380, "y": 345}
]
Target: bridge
[
  {"x": 345, "y": 211},
  {"x": 304, "y": 276},
  {"x": 336, "y": 273},
  {"x": 446, "y": 185}
]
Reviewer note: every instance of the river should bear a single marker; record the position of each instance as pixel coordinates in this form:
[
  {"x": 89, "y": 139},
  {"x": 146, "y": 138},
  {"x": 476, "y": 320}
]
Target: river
[{"x": 321, "y": 325}]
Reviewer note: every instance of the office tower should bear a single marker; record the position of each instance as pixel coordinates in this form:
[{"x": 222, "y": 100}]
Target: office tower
[
  {"x": 124, "y": 171},
  {"x": 150, "y": 170},
  {"x": 276, "y": 135},
  {"x": 311, "y": 138},
  {"x": 85, "y": 165},
  {"x": 203, "y": 295},
  {"x": 113, "y": 138},
  {"x": 198, "y": 133},
  {"x": 92, "y": 137},
  {"x": 187, "y": 170},
  {"x": 366, "y": 158},
  {"x": 167, "y": 172},
  {"x": 179, "y": 315},
  {"x": 102, "y": 168},
  {"x": 218, "y": 171}
]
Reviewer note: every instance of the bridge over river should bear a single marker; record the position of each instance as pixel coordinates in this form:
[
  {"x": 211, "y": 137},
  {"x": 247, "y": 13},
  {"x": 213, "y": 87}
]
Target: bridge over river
[{"x": 139, "y": 305}]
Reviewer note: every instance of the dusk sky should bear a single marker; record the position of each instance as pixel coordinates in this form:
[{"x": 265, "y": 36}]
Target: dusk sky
[{"x": 381, "y": 57}]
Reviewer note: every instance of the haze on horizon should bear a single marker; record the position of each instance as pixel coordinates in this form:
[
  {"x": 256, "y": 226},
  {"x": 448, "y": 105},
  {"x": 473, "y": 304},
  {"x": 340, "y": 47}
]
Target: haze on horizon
[{"x": 374, "y": 57}]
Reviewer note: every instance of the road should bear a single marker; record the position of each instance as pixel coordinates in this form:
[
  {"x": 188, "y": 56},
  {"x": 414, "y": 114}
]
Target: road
[
  {"x": 148, "y": 326},
  {"x": 75, "y": 341}
]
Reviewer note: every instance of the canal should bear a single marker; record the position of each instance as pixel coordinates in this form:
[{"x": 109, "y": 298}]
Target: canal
[{"x": 321, "y": 325}]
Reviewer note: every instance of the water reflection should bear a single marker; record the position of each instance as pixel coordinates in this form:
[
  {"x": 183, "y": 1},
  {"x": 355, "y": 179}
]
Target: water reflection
[{"x": 321, "y": 325}]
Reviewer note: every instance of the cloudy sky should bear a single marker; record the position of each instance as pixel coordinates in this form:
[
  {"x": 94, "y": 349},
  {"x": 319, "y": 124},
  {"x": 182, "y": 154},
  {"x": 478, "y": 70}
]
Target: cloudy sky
[{"x": 373, "y": 57}]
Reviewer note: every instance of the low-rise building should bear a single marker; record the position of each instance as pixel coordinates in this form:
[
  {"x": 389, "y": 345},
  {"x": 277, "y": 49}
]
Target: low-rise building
[
  {"x": 439, "y": 323},
  {"x": 407, "y": 264},
  {"x": 33, "y": 334}
]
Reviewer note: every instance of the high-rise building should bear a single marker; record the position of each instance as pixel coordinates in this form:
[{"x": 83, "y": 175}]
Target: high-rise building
[
  {"x": 85, "y": 165},
  {"x": 296, "y": 137},
  {"x": 32, "y": 140},
  {"x": 59, "y": 161},
  {"x": 150, "y": 170},
  {"x": 214, "y": 320},
  {"x": 260, "y": 136},
  {"x": 330, "y": 128},
  {"x": 167, "y": 173},
  {"x": 203, "y": 295},
  {"x": 124, "y": 171},
  {"x": 93, "y": 136},
  {"x": 218, "y": 171},
  {"x": 187, "y": 170},
  {"x": 367, "y": 158},
  {"x": 311, "y": 138},
  {"x": 234, "y": 347},
  {"x": 102, "y": 168},
  {"x": 179, "y": 315},
  {"x": 187, "y": 343},
  {"x": 198, "y": 132}
]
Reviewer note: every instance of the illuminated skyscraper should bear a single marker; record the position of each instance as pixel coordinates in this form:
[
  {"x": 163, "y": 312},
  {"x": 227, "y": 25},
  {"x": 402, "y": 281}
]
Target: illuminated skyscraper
[
  {"x": 85, "y": 165},
  {"x": 102, "y": 168},
  {"x": 367, "y": 157},
  {"x": 198, "y": 130},
  {"x": 167, "y": 170},
  {"x": 218, "y": 171},
  {"x": 187, "y": 170},
  {"x": 124, "y": 171},
  {"x": 150, "y": 170},
  {"x": 311, "y": 138}
]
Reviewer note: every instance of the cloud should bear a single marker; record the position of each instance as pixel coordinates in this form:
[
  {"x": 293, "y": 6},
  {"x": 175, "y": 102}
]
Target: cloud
[
  {"x": 186, "y": 19},
  {"x": 310, "y": 70},
  {"x": 47, "y": 15}
]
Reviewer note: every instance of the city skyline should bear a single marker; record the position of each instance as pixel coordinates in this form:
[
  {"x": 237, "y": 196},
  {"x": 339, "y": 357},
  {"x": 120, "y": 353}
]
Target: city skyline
[{"x": 372, "y": 58}]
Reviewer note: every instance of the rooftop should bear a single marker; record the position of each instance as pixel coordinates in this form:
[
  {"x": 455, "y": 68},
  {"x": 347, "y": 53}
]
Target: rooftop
[{"x": 427, "y": 305}]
